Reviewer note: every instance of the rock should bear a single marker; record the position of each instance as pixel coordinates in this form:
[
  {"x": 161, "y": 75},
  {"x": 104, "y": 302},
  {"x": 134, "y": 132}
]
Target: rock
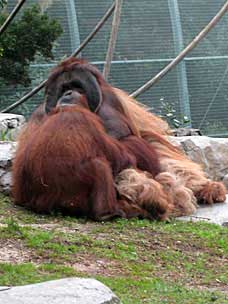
[
  {"x": 209, "y": 152},
  {"x": 10, "y": 125},
  {"x": 186, "y": 132},
  {"x": 6, "y": 182},
  {"x": 7, "y": 150},
  {"x": 225, "y": 180},
  {"x": 217, "y": 214},
  {"x": 65, "y": 291}
]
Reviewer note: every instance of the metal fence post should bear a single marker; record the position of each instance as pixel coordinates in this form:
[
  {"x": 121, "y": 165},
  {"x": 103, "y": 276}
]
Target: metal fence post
[
  {"x": 73, "y": 24},
  {"x": 181, "y": 68}
]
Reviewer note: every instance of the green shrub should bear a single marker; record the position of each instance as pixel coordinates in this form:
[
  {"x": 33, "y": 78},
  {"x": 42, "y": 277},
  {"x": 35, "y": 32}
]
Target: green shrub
[
  {"x": 34, "y": 34},
  {"x": 168, "y": 113},
  {"x": 3, "y": 3}
]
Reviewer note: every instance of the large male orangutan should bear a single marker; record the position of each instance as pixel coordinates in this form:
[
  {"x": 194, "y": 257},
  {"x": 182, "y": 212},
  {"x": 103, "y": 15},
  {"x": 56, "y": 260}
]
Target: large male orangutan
[
  {"x": 117, "y": 140},
  {"x": 66, "y": 161}
]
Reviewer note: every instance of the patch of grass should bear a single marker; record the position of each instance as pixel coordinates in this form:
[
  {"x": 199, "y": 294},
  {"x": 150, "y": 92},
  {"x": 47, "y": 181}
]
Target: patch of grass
[
  {"x": 9, "y": 210},
  {"x": 38, "y": 238},
  {"x": 28, "y": 273},
  {"x": 131, "y": 291},
  {"x": 24, "y": 216},
  {"x": 13, "y": 227},
  {"x": 142, "y": 261},
  {"x": 157, "y": 291}
]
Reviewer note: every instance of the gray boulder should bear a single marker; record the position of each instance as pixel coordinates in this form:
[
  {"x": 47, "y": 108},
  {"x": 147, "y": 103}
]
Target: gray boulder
[
  {"x": 10, "y": 125},
  {"x": 186, "y": 132},
  {"x": 211, "y": 153},
  {"x": 65, "y": 291},
  {"x": 7, "y": 150}
]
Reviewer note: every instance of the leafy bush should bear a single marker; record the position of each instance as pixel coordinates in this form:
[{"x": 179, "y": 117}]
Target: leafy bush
[
  {"x": 34, "y": 34},
  {"x": 168, "y": 113},
  {"x": 3, "y": 3}
]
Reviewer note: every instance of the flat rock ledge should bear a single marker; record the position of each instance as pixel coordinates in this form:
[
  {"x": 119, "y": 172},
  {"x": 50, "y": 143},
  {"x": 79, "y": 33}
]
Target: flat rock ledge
[
  {"x": 210, "y": 153},
  {"x": 215, "y": 214},
  {"x": 64, "y": 291}
]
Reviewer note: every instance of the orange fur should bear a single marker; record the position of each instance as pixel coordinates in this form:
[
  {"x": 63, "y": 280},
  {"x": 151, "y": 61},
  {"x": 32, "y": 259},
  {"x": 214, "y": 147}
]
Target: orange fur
[
  {"x": 140, "y": 188},
  {"x": 189, "y": 174},
  {"x": 66, "y": 161},
  {"x": 184, "y": 201},
  {"x": 181, "y": 183}
]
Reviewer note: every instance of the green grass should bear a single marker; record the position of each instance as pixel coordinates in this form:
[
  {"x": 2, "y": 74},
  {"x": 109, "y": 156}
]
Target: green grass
[
  {"x": 29, "y": 273},
  {"x": 141, "y": 261},
  {"x": 157, "y": 291}
]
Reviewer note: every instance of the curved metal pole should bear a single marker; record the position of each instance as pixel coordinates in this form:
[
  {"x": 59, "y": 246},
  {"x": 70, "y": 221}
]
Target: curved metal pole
[
  {"x": 11, "y": 16},
  {"x": 79, "y": 49},
  {"x": 187, "y": 50}
]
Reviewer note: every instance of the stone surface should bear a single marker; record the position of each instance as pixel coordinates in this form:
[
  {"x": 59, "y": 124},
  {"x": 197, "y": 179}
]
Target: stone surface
[
  {"x": 211, "y": 153},
  {"x": 186, "y": 132},
  {"x": 7, "y": 150},
  {"x": 10, "y": 125},
  {"x": 65, "y": 291},
  {"x": 225, "y": 180},
  {"x": 217, "y": 214}
]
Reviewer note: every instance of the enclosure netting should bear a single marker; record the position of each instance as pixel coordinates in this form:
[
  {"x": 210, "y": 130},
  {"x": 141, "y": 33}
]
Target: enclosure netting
[{"x": 151, "y": 34}]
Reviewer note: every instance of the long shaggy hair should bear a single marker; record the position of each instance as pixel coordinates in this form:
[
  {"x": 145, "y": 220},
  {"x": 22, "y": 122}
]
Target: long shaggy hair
[
  {"x": 160, "y": 182},
  {"x": 184, "y": 180}
]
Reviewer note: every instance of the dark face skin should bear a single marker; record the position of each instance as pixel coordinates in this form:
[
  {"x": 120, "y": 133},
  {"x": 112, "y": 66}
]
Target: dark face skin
[
  {"x": 76, "y": 80},
  {"x": 76, "y": 76}
]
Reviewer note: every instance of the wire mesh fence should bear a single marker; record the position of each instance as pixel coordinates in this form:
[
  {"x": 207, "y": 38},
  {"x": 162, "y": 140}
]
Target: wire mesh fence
[{"x": 151, "y": 33}]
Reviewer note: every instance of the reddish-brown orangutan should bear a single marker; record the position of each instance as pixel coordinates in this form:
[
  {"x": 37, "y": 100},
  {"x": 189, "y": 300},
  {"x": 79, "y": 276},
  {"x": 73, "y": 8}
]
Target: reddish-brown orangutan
[
  {"x": 123, "y": 117},
  {"x": 86, "y": 163},
  {"x": 66, "y": 161},
  {"x": 77, "y": 75}
]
